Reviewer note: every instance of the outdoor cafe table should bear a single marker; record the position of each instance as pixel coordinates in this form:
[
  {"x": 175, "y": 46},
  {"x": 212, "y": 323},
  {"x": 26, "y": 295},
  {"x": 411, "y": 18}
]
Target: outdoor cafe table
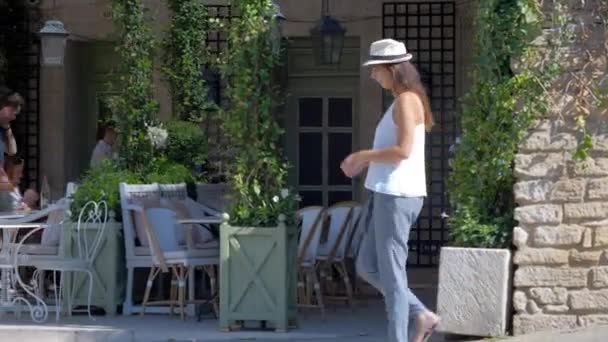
[{"x": 9, "y": 224}]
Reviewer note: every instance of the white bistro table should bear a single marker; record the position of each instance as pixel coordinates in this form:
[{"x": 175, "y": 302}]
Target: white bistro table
[{"x": 23, "y": 294}]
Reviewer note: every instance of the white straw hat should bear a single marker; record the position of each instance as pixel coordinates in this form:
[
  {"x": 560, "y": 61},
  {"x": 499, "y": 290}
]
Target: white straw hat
[{"x": 387, "y": 51}]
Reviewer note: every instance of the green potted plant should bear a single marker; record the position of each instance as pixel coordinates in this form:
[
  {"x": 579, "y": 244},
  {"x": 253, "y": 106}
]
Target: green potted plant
[
  {"x": 258, "y": 243},
  {"x": 99, "y": 184}
]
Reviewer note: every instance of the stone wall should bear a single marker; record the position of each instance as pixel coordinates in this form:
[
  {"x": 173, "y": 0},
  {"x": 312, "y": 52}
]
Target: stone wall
[{"x": 561, "y": 277}]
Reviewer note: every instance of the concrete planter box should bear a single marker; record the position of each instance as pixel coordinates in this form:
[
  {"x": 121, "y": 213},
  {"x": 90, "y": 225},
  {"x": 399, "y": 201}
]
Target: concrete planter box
[
  {"x": 109, "y": 273},
  {"x": 258, "y": 276},
  {"x": 474, "y": 291}
]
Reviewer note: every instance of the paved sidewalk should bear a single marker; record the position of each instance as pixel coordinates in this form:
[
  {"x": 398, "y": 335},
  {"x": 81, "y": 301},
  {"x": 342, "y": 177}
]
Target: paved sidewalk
[
  {"x": 366, "y": 323},
  {"x": 592, "y": 334}
]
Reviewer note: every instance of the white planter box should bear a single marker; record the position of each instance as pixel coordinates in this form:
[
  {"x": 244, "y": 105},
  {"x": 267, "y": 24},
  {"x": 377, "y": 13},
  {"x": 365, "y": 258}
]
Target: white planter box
[{"x": 474, "y": 291}]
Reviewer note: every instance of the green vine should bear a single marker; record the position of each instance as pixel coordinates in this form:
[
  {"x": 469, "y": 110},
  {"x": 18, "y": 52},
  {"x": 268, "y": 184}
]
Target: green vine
[
  {"x": 135, "y": 107},
  {"x": 497, "y": 112},
  {"x": 257, "y": 171},
  {"x": 592, "y": 94},
  {"x": 185, "y": 57}
]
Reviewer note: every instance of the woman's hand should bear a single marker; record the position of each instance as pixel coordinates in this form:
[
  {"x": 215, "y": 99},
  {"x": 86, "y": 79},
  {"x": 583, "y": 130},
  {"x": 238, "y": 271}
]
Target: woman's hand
[
  {"x": 353, "y": 164},
  {"x": 30, "y": 197},
  {"x": 23, "y": 207}
]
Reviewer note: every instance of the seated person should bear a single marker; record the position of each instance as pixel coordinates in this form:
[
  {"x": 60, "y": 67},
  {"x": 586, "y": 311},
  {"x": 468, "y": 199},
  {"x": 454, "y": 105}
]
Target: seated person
[
  {"x": 10, "y": 106},
  {"x": 14, "y": 170},
  {"x": 105, "y": 147}
]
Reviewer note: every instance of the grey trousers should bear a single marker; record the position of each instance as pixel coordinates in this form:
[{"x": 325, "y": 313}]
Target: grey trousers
[{"x": 383, "y": 257}]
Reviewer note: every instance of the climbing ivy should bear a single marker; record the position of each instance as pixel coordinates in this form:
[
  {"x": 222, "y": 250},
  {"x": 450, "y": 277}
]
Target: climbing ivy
[
  {"x": 496, "y": 113},
  {"x": 592, "y": 92},
  {"x": 185, "y": 57},
  {"x": 135, "y": 107},
  {"x": 257, "y": 170}
]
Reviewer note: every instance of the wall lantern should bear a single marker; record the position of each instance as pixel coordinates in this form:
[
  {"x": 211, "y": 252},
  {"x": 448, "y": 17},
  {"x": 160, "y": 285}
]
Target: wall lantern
[
  {"x": 327, "y": 38},
  {"x": 53, "y": 37},
  {"x": 277, "y": 19}
]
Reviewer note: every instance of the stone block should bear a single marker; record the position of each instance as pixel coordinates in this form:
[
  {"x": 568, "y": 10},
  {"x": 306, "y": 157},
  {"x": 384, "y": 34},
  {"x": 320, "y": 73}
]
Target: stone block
[
  {"x": 539, "y": 214},
  {"x": 589, "y": 320},
  {"x": 541, "y": 276},
  {"x": 590, "y": 167},
  {"x": 519, "y": 301},
  {"x": 599, "y": 277},
  {"x": 588, "y": 300},
  {"x": 542, "y": 125},
  {"x": 549, "y": 295},
  {"x": 571, "y": 190},
  {"x": 601, "y": 237},
  {"x": 525, "y": 324},
  {"x": 586, "y": 211},
  {"x": 474, "y": 291},
  {"x": 600, "y": 142},
  {"x": 578, "y": 258},
  {"x": 532, "y": 307},
  {"x": 597, "y": 189},
  {"x": 530, "y": 192},
  {"x": 546, "y": 142},
  {"x": 604, "y": 258},
  {"x": 539, "y": 165},
  {"x": 588, "y": 238},
  {"x": 562, "y": 235},
  {"x": 541, "y": 256},
  {"x": 520, "y": 237}
]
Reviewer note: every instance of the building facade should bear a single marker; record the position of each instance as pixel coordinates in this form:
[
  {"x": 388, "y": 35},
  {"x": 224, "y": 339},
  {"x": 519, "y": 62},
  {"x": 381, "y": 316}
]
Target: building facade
[{"x": 328, "y": 111}]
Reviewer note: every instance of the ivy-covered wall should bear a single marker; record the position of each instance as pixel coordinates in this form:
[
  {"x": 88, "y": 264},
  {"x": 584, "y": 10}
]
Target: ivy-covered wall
[{"x": 561, "y": 170}]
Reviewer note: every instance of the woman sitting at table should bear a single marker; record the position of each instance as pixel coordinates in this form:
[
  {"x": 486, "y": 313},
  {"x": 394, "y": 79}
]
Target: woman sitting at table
[{"x": 14, "y": 170}]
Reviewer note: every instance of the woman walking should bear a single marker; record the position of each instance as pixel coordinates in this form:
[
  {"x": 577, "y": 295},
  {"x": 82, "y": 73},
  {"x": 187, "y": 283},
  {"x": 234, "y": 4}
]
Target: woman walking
[{"x": 396, "y": 177}]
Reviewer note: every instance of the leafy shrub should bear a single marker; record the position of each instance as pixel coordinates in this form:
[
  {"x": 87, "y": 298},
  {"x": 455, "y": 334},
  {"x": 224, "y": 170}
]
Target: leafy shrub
[
  {"x": 101, "y": 183},
  {"x": 166, "y": 171},
  {"x": 186, "y": 145},
  {"x": 497, "y": 111},
  {"x": 257, "y": 171}
]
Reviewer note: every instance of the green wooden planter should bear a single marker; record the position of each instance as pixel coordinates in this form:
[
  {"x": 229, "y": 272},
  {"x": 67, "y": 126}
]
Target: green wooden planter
[
  {"x": 258, "y": 276},
  {"x": 109, "y": 275}
]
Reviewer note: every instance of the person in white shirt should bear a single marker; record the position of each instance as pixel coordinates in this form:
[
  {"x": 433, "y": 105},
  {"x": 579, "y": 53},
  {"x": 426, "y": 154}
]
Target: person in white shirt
[
  {"x": 105, "y": 147},
  {"x": 396, "y": 177},
  {"x": 27, "y": 201}
]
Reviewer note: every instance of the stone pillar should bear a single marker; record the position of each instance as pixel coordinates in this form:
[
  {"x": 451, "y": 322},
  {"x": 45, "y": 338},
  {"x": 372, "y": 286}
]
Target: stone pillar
[
  {"x": 65, "y": 146},
  {"x": 52, "y": 128},
  {"x": 561, "y": 280}
]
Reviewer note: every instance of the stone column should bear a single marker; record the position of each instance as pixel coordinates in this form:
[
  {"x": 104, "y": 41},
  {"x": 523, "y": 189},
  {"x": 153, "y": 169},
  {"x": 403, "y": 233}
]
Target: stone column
[
  {"x": 52, "y": 128},
  {"x": 561, "y": 280}
]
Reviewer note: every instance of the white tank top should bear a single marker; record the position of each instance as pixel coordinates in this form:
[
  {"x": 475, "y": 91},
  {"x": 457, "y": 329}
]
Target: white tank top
[{"x": 406, "y": 178}]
